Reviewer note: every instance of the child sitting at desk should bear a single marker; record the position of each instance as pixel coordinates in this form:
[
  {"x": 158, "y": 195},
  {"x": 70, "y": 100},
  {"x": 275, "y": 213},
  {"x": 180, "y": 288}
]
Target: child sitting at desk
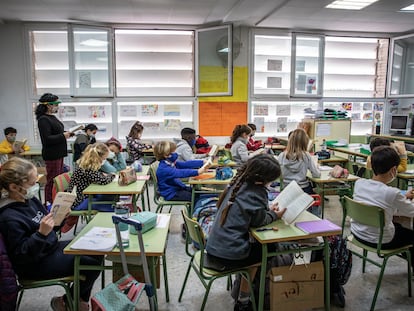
[
  {"x": 27, "y": 229},
  {"x": 244, "y": 204},
  {"x": 115, "y": 162},
  {"x": 375, "y": 191},
  {"x": 399, "y": 146},
  {"x": 185, "y": 145},
  {"x": 295, "y": 161},
  {"x": 135, "y": 146},
  {"x": 252, "y": 144},
  {"x": 86, "y": 173},
  {"x": 83, "y": 140},
  {"x": 7, "y": 145},
  {"x": 239, "y": 139},
  {"x": 170, "y": 171}
]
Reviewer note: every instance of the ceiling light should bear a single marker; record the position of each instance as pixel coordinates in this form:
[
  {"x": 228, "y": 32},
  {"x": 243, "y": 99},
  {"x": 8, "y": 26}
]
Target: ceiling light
[
  {"x": 408, "y": 8},
  {"x": 350, "y": 4}
]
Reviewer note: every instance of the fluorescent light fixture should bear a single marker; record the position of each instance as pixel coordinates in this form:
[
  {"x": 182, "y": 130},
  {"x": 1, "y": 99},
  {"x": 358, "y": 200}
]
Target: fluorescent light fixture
[
  {"x": 350, "y": 4},
  {"x": 94, "y": 43},
  {"x": 408, "y": 8}
]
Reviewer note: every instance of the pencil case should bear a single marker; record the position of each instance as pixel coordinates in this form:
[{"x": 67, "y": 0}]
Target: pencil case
[{"x": 147, "y": 219}]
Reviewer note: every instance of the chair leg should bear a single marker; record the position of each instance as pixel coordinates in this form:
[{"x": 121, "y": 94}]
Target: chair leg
[
  {"x": 185, "y": 281},
  {"x": 374, "y": 299},
  {"x": 164, "y": 268},
  {"x": 364, "y": 261},
  {"x": 208, "y": 287},
  {"x": 19, "y": 299},
  {"x": 252, "y": 298},
  {"x": 159, "y": 209},
  {"x": 409, "y": 271}
]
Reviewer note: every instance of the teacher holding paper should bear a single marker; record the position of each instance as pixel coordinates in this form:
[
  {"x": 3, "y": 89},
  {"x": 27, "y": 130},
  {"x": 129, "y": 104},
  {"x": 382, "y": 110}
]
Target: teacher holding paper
[{"x": 53, "y": 137}]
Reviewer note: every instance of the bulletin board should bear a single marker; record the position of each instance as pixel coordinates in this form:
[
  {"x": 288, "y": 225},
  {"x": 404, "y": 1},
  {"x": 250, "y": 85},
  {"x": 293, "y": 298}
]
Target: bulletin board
[{"x": 219, "y": 118}]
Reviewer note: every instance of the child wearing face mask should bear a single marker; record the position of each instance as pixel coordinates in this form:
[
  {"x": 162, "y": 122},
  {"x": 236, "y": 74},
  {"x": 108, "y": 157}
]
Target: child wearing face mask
[
  {"x": 170, "y": 171},
  {"x": 244, "y": 204},
  {"x": 239, "y": 139},
  {"x": 83, "y": 140},
  {"x": 185, "y": 145},
  {"x": 6, "y": 146},
  {"x": 87, "y": 172},
  {"x": 115, "y": 162},
  {"x": 27, "y": 229},
  {"x": 375, "y": 191}
]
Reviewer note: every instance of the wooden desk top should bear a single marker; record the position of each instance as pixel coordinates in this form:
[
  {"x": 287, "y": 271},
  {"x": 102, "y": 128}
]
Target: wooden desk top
[
  {"x": 113, "y": 187},
  {"x": 326, "y": 178},
  {"x": 351, "y": 151},
  {"x": 155, "y": 240},
  {"x": 333, "y": 158},
  {"x": 288, "y": 232},
  {"x": 212, "y": 180},
  {"x": 404, "y": 175},
  {"x": 408, "y": 139}
]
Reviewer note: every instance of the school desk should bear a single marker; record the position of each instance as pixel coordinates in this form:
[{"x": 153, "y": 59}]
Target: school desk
[
  {"x": 207, "y": 185},
  {"x": 135, "y": 189},
  {"x": 327, "y": 183},
  {"x": 290, "y": 233},
  {"x": 155, "y": 241},
  {"x": 333, "y": 160},
  {"x": 405, "y": 179},
  {"x": 351, "y": 152}
]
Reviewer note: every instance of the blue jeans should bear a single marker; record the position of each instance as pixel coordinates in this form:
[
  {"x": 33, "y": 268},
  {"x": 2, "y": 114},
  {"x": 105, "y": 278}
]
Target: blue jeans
[{"x": 104, "y": 207}]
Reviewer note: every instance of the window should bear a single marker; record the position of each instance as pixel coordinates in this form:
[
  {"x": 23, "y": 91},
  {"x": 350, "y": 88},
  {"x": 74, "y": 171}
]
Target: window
[
  {"x": 355, "y": 67},
  {"x": 154, "y": 62}
]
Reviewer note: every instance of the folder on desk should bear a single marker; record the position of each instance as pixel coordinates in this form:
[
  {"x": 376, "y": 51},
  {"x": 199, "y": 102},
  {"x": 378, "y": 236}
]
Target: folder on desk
[{"x": 317, "y": 226}]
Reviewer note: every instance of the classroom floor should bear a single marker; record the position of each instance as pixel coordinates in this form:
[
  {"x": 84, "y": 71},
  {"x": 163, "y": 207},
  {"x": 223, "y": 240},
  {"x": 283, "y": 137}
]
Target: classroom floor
[{"x": 359, "y": 289}]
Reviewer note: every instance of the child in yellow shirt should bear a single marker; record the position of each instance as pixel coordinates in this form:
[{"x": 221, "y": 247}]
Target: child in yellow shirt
[
  {"x": 6, "y": 146},
  {"x": 399, "y": 146}
]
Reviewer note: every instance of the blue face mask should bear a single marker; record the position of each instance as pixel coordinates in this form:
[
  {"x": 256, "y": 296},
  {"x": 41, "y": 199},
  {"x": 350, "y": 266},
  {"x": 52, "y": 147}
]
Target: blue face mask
[
  {"x": 173, "y": 157},
  {"x": 192, "y": 142}
]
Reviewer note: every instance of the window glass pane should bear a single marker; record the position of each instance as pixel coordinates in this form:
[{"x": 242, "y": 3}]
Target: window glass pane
[
  {"x": 272, "y": 55},
  {"x": 50, "y": 62},
  {"x": 274, "y": 118},
  {"x": 215, "y": 61},
  {"x": 154, "y": 63},
  {"x": 355, "y": 67},
  {"x": 91, "y": 59},
  {"x": 161, "y": 120},
  {"x": 307, "y": 65}
]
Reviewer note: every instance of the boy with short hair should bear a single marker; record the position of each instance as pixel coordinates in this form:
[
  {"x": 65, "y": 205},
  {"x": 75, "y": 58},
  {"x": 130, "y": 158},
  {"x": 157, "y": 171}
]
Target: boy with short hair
[
  {"x": 185, "y": 145},
  {"x": 375, "y": 191},
  {"x": 6, "y": 146}
]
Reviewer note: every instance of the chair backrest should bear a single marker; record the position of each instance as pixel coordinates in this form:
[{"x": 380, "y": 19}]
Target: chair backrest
[
  {"x": 153, "y": 173},
  {"x": 194, "y": 232},
  {"x": 362, "y": 213},
  {"x": 61, "y": 183},
  {"x": 8, "y": 281}
]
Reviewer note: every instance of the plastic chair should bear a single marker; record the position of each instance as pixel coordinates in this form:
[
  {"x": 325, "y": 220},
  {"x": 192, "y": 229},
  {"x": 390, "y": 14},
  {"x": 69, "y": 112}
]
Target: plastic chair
[
  {"x": 373, "y": 216},
  {"x": 158, "y": 199},
  {"x": 206, "y": 276},
  {"x": 61, "y": 184}
]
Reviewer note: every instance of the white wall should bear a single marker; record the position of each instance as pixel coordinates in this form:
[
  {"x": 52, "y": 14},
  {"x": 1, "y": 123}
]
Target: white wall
[{"x": 14, "y": 107}]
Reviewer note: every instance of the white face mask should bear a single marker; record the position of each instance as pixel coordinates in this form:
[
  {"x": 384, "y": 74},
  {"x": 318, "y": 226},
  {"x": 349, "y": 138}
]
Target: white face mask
[
  {"x": 103, "y": 162},
  {"x": 111, "y": 155},
  {"x": 31, "y": 192},
  {"x": 392, "y": 178}
]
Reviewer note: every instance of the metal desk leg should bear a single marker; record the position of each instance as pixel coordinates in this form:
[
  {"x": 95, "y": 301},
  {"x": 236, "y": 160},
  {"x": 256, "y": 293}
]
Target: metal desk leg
[
  {"x": 262, "y": 278},
  {"x": 76, "y": 280},
  {"x": 193, "y": 191},
  {"x": 148, "y": 199},
  {"x": 152, "y": 262},
  {"x": 164, "y": 268},
  {"x": 327, "y": 275},
  {"x": 90, "y": 202}
]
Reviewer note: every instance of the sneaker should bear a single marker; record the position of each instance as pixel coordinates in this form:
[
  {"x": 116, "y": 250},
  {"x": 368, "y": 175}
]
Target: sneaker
[
  {"x": 58, "y": 304},
  {"x": 239, "y": 306}
]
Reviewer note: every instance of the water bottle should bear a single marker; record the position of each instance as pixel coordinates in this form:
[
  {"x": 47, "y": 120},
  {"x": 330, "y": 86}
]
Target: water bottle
[{"x": 123, "y": 210}]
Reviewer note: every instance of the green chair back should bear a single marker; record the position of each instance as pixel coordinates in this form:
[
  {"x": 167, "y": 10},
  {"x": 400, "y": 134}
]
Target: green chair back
[{"x": 373, "y": 216}]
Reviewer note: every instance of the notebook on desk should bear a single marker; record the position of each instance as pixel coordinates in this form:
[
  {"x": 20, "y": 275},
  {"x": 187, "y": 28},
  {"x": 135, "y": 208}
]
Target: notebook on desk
[{"x": 317, "y": 226}]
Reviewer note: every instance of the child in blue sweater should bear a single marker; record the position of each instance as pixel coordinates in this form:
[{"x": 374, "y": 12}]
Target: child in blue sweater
[{"x": 170, "y": 171}]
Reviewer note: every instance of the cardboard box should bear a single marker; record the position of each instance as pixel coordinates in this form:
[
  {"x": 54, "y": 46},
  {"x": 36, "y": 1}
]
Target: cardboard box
[
  {"x": 298, "y": 288},
  {"x": 135, "y": 270}
]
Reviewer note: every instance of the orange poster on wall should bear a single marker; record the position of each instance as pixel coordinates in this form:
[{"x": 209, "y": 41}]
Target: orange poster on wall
[{"x": 219, "y": 118}]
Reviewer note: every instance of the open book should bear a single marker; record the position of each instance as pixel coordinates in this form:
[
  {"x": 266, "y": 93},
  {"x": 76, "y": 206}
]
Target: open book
[
  {"x": 213, "y": 151},
  {"x": 76, "y": 128},
  {"x": 97, "y": 239},
  {"x": 18, "y": 145},
  {"x": 295, "y": 200},
  {"x": 62, "y": 205}
]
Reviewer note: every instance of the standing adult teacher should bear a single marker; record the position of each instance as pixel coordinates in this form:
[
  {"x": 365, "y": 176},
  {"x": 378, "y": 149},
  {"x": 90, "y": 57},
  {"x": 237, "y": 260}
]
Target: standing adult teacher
[{"x": 53, "y": 137}]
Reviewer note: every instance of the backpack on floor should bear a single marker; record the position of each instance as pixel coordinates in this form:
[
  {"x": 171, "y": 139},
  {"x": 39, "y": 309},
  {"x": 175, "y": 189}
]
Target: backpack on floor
[
  {"x": 341, "y": 258},
  {"x": 205, "y": 212}
]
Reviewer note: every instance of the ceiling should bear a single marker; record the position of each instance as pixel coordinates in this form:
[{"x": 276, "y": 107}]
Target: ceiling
[{"x": 380, "y": 17}]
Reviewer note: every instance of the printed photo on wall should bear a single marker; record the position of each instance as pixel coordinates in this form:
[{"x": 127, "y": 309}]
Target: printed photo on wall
[
  {"x": 149, "y": 110},
  {"x": 85, "y": 79},
  {"x": 171, "y": 110},
  {"x": 283, "y": 110},
  {"x": 367, "y": 106},
  {"x": 260, "y": 124},
  {"x": 378, "y": 106},
  {"x": 128, "y": 111},
  {"x": 367, "y": 116},
  {"x": 67, "y": 112},
  {"x": 356, "y": 116},
  {"x": 274, "y": 64},
  {"x": 172, "y": 125},
  {"x": 261, "y": 110},
  {"x": 97, "y": 111},
  {"x": 274, "y": 82},
  {"x": 347, "y": 106},
  {"x": 282, "y": 125}
]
